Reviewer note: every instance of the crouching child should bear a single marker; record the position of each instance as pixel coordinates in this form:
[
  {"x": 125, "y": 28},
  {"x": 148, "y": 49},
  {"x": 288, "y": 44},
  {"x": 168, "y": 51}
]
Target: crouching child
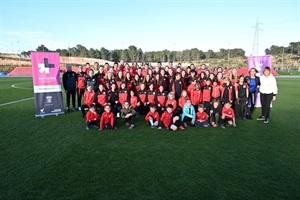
[
  {"x": 228, "y": 115},
  {"x": 128, "y": 114},
  {"x": 169, "y": 121},
  {"x": 152, "y": 118},
  {"x": 201, "y": 117},
  {"x": 107, "y": 119},
  {"x": 92, "y": 117}
]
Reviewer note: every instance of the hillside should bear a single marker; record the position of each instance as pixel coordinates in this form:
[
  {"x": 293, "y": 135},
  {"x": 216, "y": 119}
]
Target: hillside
[{"x": 290, "y": 62}]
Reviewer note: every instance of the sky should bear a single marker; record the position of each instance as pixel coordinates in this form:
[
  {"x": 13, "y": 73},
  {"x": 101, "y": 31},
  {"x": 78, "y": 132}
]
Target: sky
[{"x": 149, "y": 25}]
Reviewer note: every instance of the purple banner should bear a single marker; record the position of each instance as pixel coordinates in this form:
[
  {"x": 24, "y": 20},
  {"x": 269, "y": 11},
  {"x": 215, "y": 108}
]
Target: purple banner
[{"x": 259, "y": 63}]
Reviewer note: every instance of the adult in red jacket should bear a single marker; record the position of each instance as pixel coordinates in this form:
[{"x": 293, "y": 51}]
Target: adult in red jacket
[{"x": 80, "y": 85}]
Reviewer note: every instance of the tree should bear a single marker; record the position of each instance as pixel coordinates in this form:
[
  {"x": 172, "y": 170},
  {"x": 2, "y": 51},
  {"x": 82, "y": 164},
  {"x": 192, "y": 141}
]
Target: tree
[
  {"x": 210, "y": 54},
  {"x": 42, "y": 48},
  {"x": 105, "y": 54},
  {"x": 140, "y": 55},
  {"x": 133, "y": 53},
  {"x": 114, "y": 56},
  {"x": 82, "y": 50}
]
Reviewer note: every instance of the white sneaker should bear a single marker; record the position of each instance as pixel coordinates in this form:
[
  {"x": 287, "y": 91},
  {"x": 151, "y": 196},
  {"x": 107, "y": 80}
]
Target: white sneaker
[{"x": 79, "y": 108}]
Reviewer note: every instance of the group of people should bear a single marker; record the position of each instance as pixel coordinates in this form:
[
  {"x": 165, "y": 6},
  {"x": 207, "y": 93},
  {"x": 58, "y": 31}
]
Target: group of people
[{"x": 167, "y": 97}]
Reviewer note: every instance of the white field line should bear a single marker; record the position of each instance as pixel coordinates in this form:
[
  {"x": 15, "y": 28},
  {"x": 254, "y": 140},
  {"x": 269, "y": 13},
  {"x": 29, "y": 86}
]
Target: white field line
[
  {"x": 18, "y": 87},
  {"x": 12, "y": 102}
]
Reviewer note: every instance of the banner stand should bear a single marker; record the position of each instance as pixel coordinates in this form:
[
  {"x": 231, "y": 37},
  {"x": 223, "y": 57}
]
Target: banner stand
[{"x": 46, "y": 83}]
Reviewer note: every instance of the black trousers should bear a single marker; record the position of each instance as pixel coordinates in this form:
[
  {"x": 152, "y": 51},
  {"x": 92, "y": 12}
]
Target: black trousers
[
  {"x": 80, "y": 92},
  {"x": 187, "y": 119},
  {"x": 94, "y": 122},
  {"x": 251, "y": 102},
  {"x": 265, "y": 100},
  {"x": 206, "y": 106},
  {"x": 84, "y": 109},
  {"x": 69, "y": 94},
  {"x": 130, "y": 120},
  {"x": 214, "y": 118},
  {"x": 241, "y": 107}
]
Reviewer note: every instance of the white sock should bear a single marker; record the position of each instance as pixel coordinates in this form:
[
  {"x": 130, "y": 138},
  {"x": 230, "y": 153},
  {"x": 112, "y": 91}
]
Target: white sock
[{"x": 151, "y": 122}]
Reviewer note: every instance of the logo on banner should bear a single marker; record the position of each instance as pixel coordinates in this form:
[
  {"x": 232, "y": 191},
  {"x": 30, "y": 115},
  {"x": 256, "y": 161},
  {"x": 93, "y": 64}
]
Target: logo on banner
[
  {"x": 49, "y": 99},
  {"x": 45, "y": 67}
]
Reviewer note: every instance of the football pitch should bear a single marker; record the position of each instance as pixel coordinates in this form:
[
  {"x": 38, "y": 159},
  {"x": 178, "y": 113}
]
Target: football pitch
[{"x": 56, "y": 158}]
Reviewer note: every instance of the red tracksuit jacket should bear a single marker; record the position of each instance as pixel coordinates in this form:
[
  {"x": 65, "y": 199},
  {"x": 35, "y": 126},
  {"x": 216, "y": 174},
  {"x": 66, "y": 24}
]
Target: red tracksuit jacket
[
  {"x": 88, "y": 97},
  {"x": 172, "y": 102},
  {"x": 206, "y": 93},
  {"x": 101, "y": 97},
  {"x": 90, "y": 116},
  {"x": 107, "y": 117},
  {"x": 228, "y": 111},
  {"x": 150, "y": 96},
  {"x": 166, "y": 119},
  {"x": 123, "y": 95},
  {"x": 154, "y": 115},
  {"x": 201, "y": 116},
  {"x": 196, "y": 97}
]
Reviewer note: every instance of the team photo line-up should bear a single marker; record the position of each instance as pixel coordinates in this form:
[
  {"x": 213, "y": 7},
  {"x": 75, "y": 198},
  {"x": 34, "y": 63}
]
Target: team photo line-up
[{"x": 167, "y": 97}]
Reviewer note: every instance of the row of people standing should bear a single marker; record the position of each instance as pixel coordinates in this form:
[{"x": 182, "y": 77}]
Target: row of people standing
[{"x": 151, "y": 85}]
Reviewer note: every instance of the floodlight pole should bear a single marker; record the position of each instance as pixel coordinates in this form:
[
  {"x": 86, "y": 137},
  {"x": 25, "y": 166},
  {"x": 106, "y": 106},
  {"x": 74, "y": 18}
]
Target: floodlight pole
[
  {"x": 282, "y": 55},
  {"x": 19, "y": 51}
]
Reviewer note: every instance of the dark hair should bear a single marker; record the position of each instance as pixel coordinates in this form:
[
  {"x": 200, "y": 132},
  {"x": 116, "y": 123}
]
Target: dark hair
[
  {"x": 201, "y": 106},
  {"x": 87, "y": 63},
  {"x": 267, "y": 68},
  {"x": 170, "y": 106},
  {"x": 153, "y": 106}
]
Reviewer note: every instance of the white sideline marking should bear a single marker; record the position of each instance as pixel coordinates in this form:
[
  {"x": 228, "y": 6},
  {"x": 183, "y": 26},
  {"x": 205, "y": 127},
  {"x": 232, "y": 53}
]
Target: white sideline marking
[
  {"x": 18, "y": 87},
  {"x": 12, "y": 102}
]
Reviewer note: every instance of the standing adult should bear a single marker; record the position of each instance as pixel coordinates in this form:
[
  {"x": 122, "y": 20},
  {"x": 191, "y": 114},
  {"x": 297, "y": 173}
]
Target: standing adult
[
  {"x": 268, "y": 90},
  {"x": 80, "y": 85},
  {"x": 253, "y": 84},
  {"x": 69, "y": 83}
]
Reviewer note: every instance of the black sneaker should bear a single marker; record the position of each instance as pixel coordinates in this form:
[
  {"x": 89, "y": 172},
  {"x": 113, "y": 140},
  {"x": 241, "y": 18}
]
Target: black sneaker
[
  {"x": 261, "y": 118},
  {"x": 266, "y": 120}
]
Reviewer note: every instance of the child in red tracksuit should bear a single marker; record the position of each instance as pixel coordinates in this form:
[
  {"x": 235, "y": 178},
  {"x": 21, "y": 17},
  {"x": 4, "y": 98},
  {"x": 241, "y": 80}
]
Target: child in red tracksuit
[
  {"x": 228, "y": 115},
  {"x": 88, "y": 99},
  {"x": 107, "y": 119},
  {"x": 171, "y": 101},
  {"x": 133, "y": 100},
  {"x": 169, "y": 121},
  {"x": 201, "y": 117},
  {"x": 152, "y": 117},
  {"x": 92, "y": 117}
]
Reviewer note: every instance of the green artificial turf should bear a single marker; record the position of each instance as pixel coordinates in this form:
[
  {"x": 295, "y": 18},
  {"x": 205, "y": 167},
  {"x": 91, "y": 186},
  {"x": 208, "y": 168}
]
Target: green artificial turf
[{"x": 56, "y": 158}]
